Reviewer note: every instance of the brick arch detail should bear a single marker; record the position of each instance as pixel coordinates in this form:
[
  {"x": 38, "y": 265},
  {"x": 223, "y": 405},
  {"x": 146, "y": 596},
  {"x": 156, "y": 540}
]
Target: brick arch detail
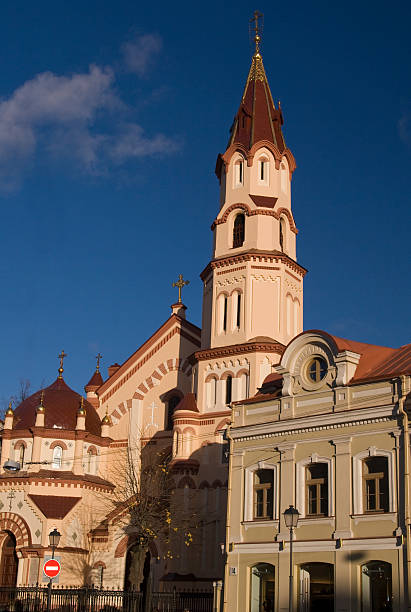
[
  {"x": 128, "y": 541},
  {"x": 159, "y": 372},
  {"x": 99, "y": 564},
  {"x": 9, "y": 521},
  {"x": 261, "y": 211},
  {"x": 58, "y": 443},
  {"x": 221, "y": 425},
  {"x": 186, "y": 481},
  {"x": 286, "y": 213},
  {"x": 20, "y": 443}
]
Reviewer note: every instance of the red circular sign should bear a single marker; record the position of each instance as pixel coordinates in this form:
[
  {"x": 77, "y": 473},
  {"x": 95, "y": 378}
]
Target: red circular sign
[{"x": 51, "y": 568}]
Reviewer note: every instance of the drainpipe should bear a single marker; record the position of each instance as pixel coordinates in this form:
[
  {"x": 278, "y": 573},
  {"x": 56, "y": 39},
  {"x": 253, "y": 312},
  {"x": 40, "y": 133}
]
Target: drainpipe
[
  {"x": 227, "y": 529},
  {"x": 405, "y": 425}
]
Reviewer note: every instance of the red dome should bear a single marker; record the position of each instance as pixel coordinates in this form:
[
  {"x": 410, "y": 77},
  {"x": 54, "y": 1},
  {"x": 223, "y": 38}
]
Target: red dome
[{"x": 60, "y": 409}]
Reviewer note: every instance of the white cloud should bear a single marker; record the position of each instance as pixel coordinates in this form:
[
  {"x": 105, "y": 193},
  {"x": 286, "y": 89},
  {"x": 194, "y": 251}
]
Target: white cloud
[
  {"x": 72, "y": 117},
  {"x": 138, "y": 54},
  {"x": 131, "y": 142}
]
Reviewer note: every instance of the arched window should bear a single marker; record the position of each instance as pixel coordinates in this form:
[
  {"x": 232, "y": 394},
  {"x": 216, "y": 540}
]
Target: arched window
[
  {"x": 375, "y": 484},
  {"x": 228, "y": 389},
  {"x": 225, "y": 309},
  {"x": 238, "y": 231},
  {"x": 239, "y": 172},
  {"x": 21, "y": 452},
  {"x": 91, "y": 461},
  {"x": 282, "y": 234},
  {"x": 263, "y": 170},
  {"x": 262, "y": 587},
  {"x": 57, "y": 457},
  {"x": 316, "y": 489},
  {"x": 376, "y": 586},
  {"x": 171, "y": 406}
]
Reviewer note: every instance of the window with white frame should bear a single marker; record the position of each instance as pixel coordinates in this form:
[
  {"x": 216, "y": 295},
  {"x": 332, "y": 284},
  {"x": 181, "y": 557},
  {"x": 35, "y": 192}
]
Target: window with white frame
[
  {"x": 314, "y": 482},
  {"x": 374, "y": 480},
  {"x": 57, "y": 457},
  {"x": 260, "y": 492}
]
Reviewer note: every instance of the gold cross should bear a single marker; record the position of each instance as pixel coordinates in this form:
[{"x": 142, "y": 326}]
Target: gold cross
[
  {"x": 98, "y": 357},
  {"x": 11, "y": 496},
  {"x": 61, "y": 369},
  {"x": 180, "y": 284},
  {"x": 257, "y": 29}
]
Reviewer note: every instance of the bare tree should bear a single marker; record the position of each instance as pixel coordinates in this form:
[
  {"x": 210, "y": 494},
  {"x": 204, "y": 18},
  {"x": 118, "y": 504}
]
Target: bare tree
[{"x": 147, "y": 507}]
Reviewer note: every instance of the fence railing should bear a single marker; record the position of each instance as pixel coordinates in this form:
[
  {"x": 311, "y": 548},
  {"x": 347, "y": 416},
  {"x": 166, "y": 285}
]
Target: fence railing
[{"x": 36, "y": 599}]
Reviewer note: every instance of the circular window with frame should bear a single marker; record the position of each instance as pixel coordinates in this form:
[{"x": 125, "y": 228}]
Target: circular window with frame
[{"x": 316, "y": 370}]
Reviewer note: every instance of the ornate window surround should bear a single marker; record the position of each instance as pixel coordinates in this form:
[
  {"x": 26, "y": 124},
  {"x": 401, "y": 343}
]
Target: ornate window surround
[
  {"x": 300, "y": 484},
  {"x": 249, "y": 490},
  {"x": 372, "y": 451}
]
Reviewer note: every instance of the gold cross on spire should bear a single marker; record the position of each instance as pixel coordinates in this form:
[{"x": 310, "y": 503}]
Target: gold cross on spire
[
  {"x": 180, "y": 284},
  {"x": 257, "y": 28},
  {"x": 98, "y": 357},
  {"x": 61, "y": 369}
]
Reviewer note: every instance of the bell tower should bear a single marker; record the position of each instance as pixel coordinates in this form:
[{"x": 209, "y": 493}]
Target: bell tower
[{"x": 253, "y": 286}]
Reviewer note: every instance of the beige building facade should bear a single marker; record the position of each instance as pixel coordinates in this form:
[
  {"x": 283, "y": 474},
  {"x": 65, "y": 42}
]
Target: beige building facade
[{"x": 325, "y": 434}]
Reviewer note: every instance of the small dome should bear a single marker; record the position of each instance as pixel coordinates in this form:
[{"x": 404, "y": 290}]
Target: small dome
[
  {"x": 61, "y": 405},
  {"x": 106, "y": 420}
]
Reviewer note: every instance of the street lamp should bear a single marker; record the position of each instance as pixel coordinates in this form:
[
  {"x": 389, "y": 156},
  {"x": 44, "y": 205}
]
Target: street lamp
[
  {"x": 291, "y": 520},
  {"x": 54, "y": 539}
]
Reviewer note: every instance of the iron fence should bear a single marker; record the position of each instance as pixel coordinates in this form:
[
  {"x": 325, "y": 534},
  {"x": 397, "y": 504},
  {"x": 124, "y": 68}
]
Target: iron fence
[{"x": 35, "y": 599}]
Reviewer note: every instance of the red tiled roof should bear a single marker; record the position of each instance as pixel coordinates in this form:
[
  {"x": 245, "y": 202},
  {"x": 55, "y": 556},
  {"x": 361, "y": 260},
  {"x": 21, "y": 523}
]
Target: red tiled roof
[
  {"x": 60, "y": 409},
  {"x": 257, "y": 118},
  {"x": 53, "y": 506},
  {"x": 188, "y": 403},
  {"x": 263, "y": 201},
  {"x": 95, "y": 381}
]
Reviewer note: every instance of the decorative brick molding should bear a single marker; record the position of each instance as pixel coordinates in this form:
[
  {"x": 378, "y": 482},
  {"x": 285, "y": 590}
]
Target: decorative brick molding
[
  {"x": 17, "y": 526},
  {"x": 58, "y": 443},
  {"x": 271, "y": 257},
  {"x": 161, "y": 370}
]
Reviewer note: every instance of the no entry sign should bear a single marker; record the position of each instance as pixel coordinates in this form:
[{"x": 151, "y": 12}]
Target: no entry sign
[{"x": 51, "y": 568}]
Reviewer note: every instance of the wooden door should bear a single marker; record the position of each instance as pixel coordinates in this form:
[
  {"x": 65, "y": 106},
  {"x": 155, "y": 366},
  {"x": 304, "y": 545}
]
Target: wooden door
[{"x": 9, "y": 562}]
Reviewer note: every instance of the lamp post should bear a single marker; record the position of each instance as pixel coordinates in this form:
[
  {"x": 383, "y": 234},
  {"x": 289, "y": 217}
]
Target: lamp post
[
  {"x": 54, "y": 539},
  {"x": 291, "y": 520}
]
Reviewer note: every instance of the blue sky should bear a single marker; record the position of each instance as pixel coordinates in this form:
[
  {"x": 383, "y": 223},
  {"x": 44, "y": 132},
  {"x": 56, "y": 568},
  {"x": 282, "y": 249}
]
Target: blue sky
[{"x": 111, "y": 118}]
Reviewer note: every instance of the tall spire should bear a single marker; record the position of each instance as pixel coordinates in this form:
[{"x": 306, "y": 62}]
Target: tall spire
[{"x": 257, "y": 118}]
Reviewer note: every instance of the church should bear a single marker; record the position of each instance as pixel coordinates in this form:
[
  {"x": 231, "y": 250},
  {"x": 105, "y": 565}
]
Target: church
[{"x": 241, "y": 409}]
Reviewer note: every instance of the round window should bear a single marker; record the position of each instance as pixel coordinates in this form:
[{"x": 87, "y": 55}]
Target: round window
[{"x": 317, "y": 369}]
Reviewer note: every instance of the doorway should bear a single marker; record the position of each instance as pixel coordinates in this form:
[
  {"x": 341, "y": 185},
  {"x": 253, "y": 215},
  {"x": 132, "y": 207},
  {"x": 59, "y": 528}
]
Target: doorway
[
  {"x": 9, "y": 561},
  {"x": 376, "y": 587},
  {"x": 316, "y": 588}
]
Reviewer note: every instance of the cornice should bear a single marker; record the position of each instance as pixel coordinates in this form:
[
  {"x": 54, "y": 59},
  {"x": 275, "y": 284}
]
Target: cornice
[
  {"x": 317, "y": 422},
  {"x": 239, "y": 349},
  {"x": 35, "y": 478},
  {"x": 55, "y": 434},
  {"x": 265, "y": 256}
]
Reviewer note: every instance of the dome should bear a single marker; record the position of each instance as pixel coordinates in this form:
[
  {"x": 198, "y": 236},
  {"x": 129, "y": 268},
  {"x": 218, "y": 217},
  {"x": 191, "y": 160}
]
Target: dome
[{"x": 61, "y": 405}]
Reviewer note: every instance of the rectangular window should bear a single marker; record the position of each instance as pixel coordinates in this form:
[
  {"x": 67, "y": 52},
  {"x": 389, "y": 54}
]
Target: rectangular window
[
  {"x": 317, "y": 489},
  {"x": 238, "y": 309},
  {"x": 263, "y": 494},
  {"x": 375, "y": 484}
]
